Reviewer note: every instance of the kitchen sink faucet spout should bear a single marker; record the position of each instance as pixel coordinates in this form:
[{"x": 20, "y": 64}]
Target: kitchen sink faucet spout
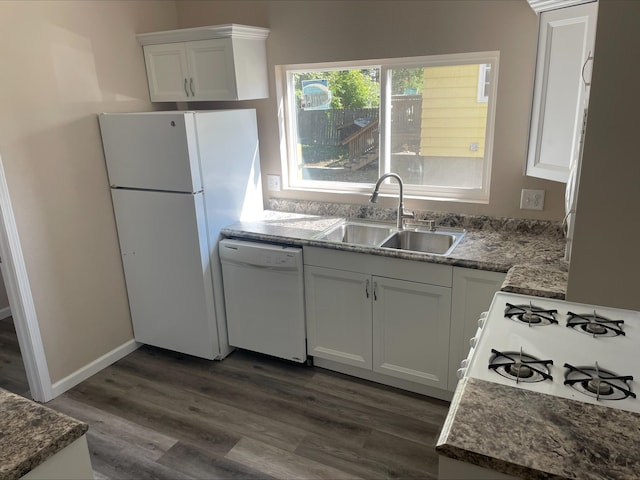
[{"x": 402, "y": 213}]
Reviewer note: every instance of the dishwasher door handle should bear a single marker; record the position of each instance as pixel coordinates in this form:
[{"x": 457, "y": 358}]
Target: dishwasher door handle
[{"x": 273, "y": 268}]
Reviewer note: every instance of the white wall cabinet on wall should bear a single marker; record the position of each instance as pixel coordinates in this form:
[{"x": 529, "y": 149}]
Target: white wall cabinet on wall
[
  {"x": 386, "y": 315},
  {"x": 226, "y": 62},
  {"x": 566, "y": 41},
  {"x": 473, "y": 291}
]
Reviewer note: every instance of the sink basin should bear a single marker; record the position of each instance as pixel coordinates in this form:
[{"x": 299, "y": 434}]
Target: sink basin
[
  {"x": 437, "y": 243},
  {"x": 376, "y": 234},
  {"x": 358, "y": 233}
]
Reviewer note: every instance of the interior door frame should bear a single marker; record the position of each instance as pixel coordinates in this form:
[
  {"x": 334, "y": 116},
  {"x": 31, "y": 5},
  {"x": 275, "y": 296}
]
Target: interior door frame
[{"x": 16, "y": 280}]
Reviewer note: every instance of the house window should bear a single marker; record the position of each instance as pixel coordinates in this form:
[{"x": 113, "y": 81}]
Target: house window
[
  {"x": 484, "y": 82},
  {"x": 345, "y": 124}
]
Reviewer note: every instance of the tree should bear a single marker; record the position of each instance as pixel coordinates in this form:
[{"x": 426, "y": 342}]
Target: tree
[
  {"x": 349, "y": 88},
  {"x": 404, "y": 79}
]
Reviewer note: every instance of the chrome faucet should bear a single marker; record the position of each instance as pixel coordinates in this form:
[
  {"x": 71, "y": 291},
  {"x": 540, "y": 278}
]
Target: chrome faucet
[{"x": 402, "y": 213}]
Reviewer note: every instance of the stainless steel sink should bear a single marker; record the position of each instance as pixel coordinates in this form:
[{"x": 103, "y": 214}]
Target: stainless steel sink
[
  {"x": 440, "y": 241},
  {"x": 436, "y": 242},
  {"x": 357, "y": 232}
]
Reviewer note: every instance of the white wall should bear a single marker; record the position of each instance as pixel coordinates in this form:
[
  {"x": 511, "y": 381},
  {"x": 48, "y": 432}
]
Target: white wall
[
  {"x": 322, "y": 31},
  {"x": 62, "y": 62}
]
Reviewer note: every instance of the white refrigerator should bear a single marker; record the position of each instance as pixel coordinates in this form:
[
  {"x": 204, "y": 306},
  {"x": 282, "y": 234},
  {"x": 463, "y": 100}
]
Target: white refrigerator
[{"x": 176, "y": 179}]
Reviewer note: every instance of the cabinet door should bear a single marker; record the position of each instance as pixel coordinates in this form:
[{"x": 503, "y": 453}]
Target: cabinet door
[
  {"x": 167, "y": 72},
  {"x": 473, "y": 291},
  {"x": 338, "y": 307},
  {"x": 565, "y": 43},
  {"x": 211, "y": 69},
  {"x": 411, "y": 330}
]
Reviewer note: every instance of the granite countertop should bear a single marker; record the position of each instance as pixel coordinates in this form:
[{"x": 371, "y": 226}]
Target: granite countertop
[
  {"x": 30, "y": 433},
  {"x": 553, "y": 437},
  {"x": 534, "y": 260}
]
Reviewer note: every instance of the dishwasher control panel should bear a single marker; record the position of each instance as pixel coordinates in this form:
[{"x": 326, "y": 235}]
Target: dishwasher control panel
[{"x": 260, "y": 254}]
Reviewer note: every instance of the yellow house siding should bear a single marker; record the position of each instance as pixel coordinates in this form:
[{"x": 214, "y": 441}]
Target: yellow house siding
[{"x": 452, "y": 118}]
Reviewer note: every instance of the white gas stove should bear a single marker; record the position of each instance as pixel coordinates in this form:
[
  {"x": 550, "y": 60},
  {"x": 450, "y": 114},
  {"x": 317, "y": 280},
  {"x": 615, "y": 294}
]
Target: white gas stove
[{"x": 577, "y": 351}]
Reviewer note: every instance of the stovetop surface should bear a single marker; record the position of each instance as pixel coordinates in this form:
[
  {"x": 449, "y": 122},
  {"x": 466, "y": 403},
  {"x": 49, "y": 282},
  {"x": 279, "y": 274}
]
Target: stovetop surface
[{"x": 560, "y": 344}]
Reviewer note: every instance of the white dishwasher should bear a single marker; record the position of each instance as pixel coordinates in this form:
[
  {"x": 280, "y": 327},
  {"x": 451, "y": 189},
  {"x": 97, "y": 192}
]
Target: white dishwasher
[{"x": 264, "y": 297}]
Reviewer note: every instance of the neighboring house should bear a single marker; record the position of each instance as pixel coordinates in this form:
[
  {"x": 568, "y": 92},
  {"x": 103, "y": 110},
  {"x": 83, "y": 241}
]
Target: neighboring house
[{"x": 454, "y": 111}]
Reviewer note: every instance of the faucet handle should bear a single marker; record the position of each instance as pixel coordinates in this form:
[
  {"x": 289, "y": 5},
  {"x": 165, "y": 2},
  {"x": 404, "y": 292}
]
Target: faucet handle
[
  {"x": 430, "y": 224},
  {"x": 407, "y": 214}
]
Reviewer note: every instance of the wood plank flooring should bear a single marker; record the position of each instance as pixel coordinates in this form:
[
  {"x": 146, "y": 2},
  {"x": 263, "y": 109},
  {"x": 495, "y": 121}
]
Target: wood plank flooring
[
  {"x": 161, "y": 415},
  {"x": 12, "y": 373}
]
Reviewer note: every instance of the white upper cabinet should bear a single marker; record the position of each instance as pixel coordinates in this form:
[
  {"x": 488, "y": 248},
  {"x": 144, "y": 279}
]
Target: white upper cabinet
[
  {"x": 225, "y": 62},
  {"x": 566, "y": 42}
]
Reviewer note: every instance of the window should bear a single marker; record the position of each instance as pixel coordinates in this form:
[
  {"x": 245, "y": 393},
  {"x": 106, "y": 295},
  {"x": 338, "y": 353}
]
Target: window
[
  {"x": 484, "y": 82},
  {"x": 428, "y": 119}
]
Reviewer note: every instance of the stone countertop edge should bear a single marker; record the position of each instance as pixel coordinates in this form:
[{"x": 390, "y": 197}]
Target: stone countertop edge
[
  {"x": 536, "y": 281},
  {"x": 534, "y": 263},
  {"x": 557, "y": 437},
  {"x": 30, "y": 433}
]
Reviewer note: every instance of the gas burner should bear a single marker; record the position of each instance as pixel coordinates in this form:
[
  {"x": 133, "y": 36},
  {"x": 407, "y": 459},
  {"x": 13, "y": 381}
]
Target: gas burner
[
  {"x": 530, "y": 314},
  {"x": 598, "y": 383},
  {"x": 595, "y": 325},
  {"x": 520, "y": 367}
]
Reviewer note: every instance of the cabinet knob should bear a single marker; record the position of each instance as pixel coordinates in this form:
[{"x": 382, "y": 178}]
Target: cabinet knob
[
  {"x": 473, "y": 342},
  {"x": 460, "y": 373}
]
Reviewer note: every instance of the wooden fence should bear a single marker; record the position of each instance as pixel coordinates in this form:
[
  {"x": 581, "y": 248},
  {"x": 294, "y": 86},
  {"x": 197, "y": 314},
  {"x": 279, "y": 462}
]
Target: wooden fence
[{"x": 331, "y": 127}]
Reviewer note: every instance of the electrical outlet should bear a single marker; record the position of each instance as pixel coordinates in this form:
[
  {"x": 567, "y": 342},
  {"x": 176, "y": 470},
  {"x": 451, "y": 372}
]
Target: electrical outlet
[
  {"x": 273, "y": 183},
  {"x": 532, "y": 199}
]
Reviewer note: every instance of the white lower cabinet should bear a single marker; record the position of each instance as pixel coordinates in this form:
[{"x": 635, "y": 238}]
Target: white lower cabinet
[
  {"x": 73, "y": 462},
  {"x": 381, "y": 314},
  {"x": 338, "y": 311},
  {"x": 473, "y": 291},
  {"x": 411, "y": 330}
]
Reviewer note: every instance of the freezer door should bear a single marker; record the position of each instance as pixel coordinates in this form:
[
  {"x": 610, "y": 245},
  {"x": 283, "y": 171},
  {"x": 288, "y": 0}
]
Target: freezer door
[
  {"x": 155, "y": 151},
  {"x": 165, "y": 254}
]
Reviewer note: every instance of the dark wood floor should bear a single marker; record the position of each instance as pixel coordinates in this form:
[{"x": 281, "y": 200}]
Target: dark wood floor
[
  {"x": 161, "y": 415},
  {"x": 12, "y": 374}
]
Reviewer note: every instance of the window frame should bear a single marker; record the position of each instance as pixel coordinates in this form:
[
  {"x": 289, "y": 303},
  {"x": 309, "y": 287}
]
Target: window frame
[
  {"x": 286, "y": 102},
  {"x": 482, "y": 83}
]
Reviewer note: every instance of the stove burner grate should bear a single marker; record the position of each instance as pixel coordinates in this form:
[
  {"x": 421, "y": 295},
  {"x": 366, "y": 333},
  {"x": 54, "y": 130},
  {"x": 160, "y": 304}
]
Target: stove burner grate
[
  {"x": 530, "y": 314},
  {"x": 598, "y": 383},
  {"x": 520, "y": 367},
  {"x": 595, "y": 325}
]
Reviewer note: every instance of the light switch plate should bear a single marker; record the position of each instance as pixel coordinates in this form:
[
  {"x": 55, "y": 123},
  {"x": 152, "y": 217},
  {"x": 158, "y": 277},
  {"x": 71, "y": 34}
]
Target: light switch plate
[
  {"x": 273, "y": 183},
  {"x": 532, "y": 199}
]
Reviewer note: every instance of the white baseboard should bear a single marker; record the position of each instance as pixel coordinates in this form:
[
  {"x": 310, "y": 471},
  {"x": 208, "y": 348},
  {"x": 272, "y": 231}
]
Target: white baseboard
[
  {"x": 70, "y": 381},
  {"x": 5, "y": 313}
]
